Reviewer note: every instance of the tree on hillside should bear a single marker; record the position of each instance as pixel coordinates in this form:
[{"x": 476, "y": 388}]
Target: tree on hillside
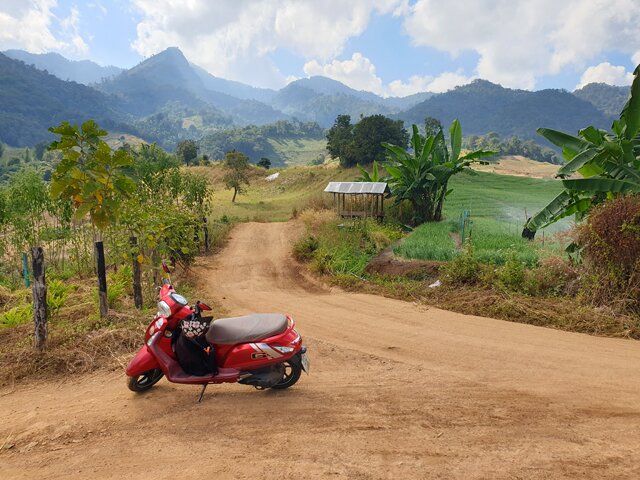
[
  {"x": 608, "y": 162},
  {"x": 362, "y": 143},
  {"x": 187, "y": 151},
  {"x": 237, "y": 176},
  {"x": 339, "y": 137},
  {"x": 432, "y": 126},
  {"x": 422, "y": 175},
  {"x": 264, "y": 163},
  {"x": 39, "y": 150},
  {"x": 1, "y": 149}
]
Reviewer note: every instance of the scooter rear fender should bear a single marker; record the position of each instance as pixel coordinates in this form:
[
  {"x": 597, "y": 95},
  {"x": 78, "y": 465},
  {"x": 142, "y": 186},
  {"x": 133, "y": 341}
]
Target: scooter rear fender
[{"x": 142, "y": 362}]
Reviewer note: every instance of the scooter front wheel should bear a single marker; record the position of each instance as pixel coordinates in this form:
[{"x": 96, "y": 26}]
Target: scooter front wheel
[
  {"x": 291, "y": 375},
  {"x": 144, "y": 381}
]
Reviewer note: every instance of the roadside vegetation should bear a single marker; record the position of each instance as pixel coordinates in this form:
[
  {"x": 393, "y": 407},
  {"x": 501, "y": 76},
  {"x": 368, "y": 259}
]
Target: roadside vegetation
[{"x": 467, "y": 255}]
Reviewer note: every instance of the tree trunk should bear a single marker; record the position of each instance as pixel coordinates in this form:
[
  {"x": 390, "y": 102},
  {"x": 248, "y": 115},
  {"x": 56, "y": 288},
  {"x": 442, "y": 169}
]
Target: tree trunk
[
  {"x": 102, "y": 279},
  {"x": 137, "y": 274},
  {"x": 39, "y": 298},
  {"x": 235, "y": 192}
]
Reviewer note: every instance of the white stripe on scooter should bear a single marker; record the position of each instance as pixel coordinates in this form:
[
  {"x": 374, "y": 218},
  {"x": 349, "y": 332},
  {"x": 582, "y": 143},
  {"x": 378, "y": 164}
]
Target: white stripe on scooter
[{"x": 268, "y": 350}]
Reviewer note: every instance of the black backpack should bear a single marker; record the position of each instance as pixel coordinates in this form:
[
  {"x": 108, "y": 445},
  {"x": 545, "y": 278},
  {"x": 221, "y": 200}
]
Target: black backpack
[{"x": 194, "y": 353}]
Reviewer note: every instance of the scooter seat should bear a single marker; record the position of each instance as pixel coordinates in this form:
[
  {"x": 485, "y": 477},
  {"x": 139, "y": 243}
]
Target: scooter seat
[{"x": 250, "y": 328}]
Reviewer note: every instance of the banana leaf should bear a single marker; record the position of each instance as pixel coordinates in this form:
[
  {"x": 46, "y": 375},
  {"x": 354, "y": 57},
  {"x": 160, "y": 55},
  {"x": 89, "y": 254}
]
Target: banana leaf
[
  {"x": 599, "y": 184},
  {"x": 631, "y": 111},
  {"x": 577, "y": 162},
  {"x": 571, "y": 144}
]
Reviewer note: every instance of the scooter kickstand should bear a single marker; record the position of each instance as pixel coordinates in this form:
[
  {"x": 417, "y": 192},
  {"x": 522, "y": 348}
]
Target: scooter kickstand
[{"x": 204, "y": 387}]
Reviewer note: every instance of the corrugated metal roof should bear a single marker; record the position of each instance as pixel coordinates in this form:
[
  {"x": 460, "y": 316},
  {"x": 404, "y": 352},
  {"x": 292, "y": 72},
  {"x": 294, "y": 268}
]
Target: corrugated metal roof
[{"x": 356, "y": 187}]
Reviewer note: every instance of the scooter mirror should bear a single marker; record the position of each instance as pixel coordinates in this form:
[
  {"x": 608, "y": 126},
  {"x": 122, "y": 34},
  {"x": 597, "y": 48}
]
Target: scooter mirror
[
  {"x": 204, "y": 306},
  {"x": 165, "y": 267}
]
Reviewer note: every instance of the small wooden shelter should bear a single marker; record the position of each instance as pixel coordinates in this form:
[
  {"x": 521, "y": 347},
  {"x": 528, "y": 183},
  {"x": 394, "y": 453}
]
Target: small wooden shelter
[{"x": 358, "y": 199}]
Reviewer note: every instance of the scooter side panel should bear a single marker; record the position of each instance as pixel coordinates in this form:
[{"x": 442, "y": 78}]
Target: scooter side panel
[{"x": 250, "y": 356}]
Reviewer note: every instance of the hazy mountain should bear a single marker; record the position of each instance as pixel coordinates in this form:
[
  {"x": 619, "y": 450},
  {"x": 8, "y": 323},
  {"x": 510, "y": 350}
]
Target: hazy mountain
[
  {"x": 83, "y": 71},
  {"x": 484, "y": 107},
  {"x": 609, "y": 99},
  {"x": 232, "y": 88},
  {"x": 168, "y": 78},
  {"x": 321, "y": 100},
  {"x": 32, "y": 100},
  {"x": 404, "y": 103}
]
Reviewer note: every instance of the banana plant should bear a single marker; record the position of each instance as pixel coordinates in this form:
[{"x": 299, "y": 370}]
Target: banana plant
[
  {"x": 599, "y": 164},
  {"x": 374, "y": 176},
  {"x": 421, "y": 176}
]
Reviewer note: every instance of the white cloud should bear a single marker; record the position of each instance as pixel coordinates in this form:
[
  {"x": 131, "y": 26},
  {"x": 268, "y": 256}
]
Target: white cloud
[
  {"x": 636, "y": 58},
  {"x": 32, "y": 26},
  {"x": 518, "y": 41},
  {"x": 606, "y": 73},
  {"x": 358, "y": 73},
  {"x": 233, "y": 39}
]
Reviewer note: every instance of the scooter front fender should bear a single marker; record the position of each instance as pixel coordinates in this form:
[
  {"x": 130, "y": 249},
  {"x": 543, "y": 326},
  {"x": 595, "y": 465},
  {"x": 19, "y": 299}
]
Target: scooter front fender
[{"x": 142, "y": 362}]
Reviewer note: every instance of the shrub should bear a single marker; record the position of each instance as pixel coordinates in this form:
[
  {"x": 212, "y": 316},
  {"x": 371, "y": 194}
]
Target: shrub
[
  {"x": 464, "y": 268},
  {"x": 511, "y": 275},
  {"x": 553, "y": 278},
  {"x": 304, "y": 248},
  {"x": 611, "y": 251}
]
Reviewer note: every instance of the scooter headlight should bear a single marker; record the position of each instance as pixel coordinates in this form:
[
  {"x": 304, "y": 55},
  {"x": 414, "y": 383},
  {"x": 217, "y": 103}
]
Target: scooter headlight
[{"x": 164, "y": 309}]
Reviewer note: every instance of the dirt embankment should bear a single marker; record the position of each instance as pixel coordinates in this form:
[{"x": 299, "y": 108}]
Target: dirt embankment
[{"x": 396, "y": 391}]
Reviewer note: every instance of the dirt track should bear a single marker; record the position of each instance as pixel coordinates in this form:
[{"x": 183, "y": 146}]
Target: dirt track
[{"x": 396, "y": 391}]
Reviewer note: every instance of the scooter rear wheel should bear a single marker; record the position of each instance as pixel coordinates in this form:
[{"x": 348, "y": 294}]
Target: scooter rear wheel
[
  {"x": 144, "y": 381},
  {"x": 291, "y": 376}
]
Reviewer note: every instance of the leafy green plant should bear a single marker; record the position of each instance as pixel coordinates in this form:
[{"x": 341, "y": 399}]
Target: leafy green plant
[
  {"x": 304, "y": 248},
  {"x": 511, "y": 275},
  {"x": 608, "y": 162},
  {"x": 57, "y": 294},
  {"x": 422, "y": 175},
  {"x": 463, "y": 269},
  {"x": 90, "y": 174},
  {"x": 17, "y": 315}
]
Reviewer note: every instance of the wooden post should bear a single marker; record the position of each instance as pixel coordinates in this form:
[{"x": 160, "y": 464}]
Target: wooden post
[
  {"x": 39, "y": 299},
  {"x": 25, "y": 270},
  {"x": 137, "y": 274},
  {"x": 102, "y": 279}
]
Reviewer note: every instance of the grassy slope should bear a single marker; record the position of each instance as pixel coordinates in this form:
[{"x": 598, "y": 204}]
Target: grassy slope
[
  {"x": 273, "y": 201},
  {"x": 300, "y": 151}
]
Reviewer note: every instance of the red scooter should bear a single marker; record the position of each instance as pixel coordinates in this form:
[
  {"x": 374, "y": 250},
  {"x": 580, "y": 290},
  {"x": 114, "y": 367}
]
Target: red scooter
[{"x": 262, "y": 350}]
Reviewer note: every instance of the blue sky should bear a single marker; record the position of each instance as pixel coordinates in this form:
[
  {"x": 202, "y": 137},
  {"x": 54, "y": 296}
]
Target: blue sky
[{"x": 390, "y": 47}]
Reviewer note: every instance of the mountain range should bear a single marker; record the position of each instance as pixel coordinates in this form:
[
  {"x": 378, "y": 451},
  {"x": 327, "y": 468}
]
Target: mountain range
[{"x": 166, "y": 98}]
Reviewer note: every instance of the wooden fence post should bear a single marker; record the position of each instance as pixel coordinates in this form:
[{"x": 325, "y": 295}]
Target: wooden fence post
[
  {"x": 137, "y": 273},
  {"x": 39, "y": 298},
  {"x": 102, "y": 279}
]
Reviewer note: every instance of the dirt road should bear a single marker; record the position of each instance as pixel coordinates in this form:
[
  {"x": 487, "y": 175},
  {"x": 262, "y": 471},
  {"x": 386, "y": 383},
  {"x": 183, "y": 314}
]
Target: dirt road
[{"x": 396, "y": 391}]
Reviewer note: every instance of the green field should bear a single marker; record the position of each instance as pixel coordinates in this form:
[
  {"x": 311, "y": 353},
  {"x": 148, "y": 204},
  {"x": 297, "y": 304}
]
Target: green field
[{"x": 498, "y": 205}]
